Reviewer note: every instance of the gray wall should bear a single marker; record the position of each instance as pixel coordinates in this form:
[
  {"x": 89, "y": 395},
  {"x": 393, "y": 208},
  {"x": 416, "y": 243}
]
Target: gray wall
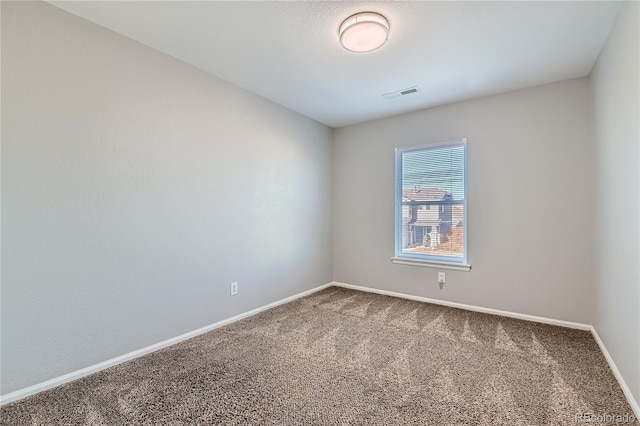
[
  {"x": 615, "y": 92},
  {"x": 135, "y": 188},
  {"x": 529, "y": 201}
]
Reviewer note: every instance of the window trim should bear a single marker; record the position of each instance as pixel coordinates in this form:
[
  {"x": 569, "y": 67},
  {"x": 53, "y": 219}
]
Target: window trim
[
  {"x": 431, "y": 264},
  {"x": 443, "y": 262}
]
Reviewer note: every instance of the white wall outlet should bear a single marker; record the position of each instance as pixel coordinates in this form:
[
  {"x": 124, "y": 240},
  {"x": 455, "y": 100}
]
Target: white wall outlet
[
  {"x": 234, "y": 289},
  {"x": 441, "y": 279}
]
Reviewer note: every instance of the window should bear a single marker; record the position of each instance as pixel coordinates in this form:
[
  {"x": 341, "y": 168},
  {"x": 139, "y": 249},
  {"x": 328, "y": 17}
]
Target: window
[{"x": 432, "y": 175}]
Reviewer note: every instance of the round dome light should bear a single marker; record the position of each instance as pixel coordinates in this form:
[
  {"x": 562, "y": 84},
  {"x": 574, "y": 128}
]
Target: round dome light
[{"x": 364, "y": 32}]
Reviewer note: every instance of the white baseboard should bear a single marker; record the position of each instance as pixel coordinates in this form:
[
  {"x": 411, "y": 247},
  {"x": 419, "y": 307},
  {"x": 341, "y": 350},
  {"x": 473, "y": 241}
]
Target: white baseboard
[
  {"x": 575, "y": 325},
  {"x": 625, "y": 389},
  {"x": 31, "y": 390},
  {"x": 526, "y": 317}
]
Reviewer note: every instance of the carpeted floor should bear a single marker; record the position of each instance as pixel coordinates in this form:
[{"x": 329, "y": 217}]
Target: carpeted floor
[{"x": 346, "y": 357}]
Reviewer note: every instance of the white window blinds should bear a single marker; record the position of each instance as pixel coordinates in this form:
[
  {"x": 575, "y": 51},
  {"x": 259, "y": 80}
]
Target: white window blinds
[{"x": 431, "y": 202}]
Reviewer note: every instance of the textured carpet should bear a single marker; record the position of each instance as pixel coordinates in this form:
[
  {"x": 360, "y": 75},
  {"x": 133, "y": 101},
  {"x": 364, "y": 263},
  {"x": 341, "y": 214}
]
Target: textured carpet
[{"x": 346, "y": 357}]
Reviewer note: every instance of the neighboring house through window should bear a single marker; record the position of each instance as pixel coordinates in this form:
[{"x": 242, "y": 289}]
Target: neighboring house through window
[{"x": 431, "y": 175}]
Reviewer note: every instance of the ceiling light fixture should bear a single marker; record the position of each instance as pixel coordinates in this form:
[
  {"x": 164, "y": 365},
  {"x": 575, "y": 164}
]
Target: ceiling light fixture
[{"x": 364, "y": 32}]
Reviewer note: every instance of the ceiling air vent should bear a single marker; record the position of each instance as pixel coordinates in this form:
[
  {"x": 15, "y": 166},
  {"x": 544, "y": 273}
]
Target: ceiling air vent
[{"x": 403, "y": 92}]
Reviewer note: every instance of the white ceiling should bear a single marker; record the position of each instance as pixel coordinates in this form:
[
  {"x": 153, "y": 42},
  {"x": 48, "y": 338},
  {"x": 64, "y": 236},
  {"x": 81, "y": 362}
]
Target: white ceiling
[{"x": 289, "y": 52}]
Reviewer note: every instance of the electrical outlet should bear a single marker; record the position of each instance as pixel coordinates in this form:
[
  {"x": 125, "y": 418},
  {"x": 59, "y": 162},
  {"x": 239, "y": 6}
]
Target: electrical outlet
[
  {"x": 234, "y": 289},
  {"x": 441, "y": 279}
]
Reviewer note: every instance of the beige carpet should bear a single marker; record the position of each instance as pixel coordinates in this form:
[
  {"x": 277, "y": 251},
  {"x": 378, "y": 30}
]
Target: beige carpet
[{"x": 346, "y": 357}]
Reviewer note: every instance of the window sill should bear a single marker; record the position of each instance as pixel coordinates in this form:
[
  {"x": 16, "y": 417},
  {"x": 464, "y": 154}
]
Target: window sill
[{"x": 430, "y": 264}]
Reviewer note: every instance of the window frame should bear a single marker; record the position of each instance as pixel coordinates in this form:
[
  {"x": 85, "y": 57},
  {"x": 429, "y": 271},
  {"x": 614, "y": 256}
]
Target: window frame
[{"x": 428, "y": 259}]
